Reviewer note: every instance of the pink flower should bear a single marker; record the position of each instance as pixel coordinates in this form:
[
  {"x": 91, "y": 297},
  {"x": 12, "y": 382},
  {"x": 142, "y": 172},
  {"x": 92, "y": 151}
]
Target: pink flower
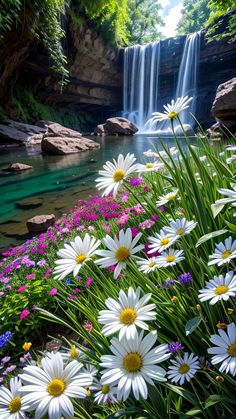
[
  {"x": 155, "y": 217},
  {"x": 77, "y": 290},
  {"x": 111, "y": 268},
  {"x": 48, "y": 273},
  {"x": 107, "y": 228},
  {"x": 123, "y": 220},
  {"x": 134, "y": 231},
  {"x": 88, "y": 282},
  {"x": 146, "y": 188},
  {"x": 125, "y": 197},
  {"x": 162, "y": 208},
  {"x": 21, "y": 289},
  {"x": 147, "y": 248},
  {"x": 25, "y": 313},
  {"x": 88, "y": 326},
  {"x": 146, "y": 224},
  {"x": 29, "y": 276},
  {"x": 72, "y": 297},
  {"x": 53, "y": 291},
  {"x": 136, "y": 181}
]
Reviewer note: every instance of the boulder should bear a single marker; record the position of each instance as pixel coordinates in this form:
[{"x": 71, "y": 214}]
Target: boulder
[
  {"x": 13, "y": 131},
  {"x": 57, "y": 130},
  {"x": 224, "y": 105},
  {"x": 33, "y": 140},
  {"x": 120, "y": 126},
  {"x": 99, "y": 130},
  {"x": 40, "y": 223},
  {"x": 17, "y": 167},
  {"x": 65, "y": 145}
]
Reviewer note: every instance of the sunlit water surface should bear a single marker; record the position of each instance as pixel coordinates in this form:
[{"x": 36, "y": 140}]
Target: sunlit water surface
[{"x": 59, "y": 181}]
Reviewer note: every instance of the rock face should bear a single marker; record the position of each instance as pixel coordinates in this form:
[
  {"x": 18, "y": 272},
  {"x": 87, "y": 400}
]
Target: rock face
[
  {"x": 40, "y": 223},
  {"x": 17, "y": 132},
  {"x": 224, "y": 106},
  {"x": 61, "y": 140},
  {"x": 17, "y": 167},
  {"x": 116, "y": 126}
]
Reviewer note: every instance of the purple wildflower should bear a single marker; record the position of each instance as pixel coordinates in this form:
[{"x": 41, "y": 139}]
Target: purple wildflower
[
  {"x": 185, "y": 278},
  {"x": 175, "y": 347},
  {"x": 4, "y": 339}
]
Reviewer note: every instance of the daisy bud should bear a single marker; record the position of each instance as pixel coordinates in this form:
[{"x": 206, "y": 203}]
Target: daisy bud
[
  {"x": 230, "y": 311},
  {"x": 198, "y": 307},
  {"x": 174, "y": 299},
  {"x": 221, "y": 325},
  {"x": 220, "y": 379}
]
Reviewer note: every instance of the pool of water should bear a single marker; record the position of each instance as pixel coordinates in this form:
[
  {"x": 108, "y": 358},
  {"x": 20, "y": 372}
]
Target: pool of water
[{"x": 56, "y": 182}]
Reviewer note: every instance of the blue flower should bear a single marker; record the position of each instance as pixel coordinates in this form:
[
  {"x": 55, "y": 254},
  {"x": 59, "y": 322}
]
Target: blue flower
[
  {"x": 169, "y": 283},
  {"x": 68, "y": 281},
  {"x": 185, "y": 278},
  {"x": 4, "y": 339}
]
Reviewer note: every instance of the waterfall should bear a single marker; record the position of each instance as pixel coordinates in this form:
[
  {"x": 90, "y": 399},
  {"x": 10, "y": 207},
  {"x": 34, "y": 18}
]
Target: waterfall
[
  {"x": 141, "y": 82},
  {"x": 188, "y": 75},
  {"x": 140, "y": 93}
]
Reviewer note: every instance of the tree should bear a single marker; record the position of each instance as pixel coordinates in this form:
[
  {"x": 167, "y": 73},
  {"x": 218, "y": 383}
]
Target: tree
[
  {"x": 195, "y": 14},
  {"x": 144, "y": 17}
]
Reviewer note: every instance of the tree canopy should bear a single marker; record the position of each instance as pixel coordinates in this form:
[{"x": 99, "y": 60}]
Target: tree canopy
[{"x": 144, "y": 18}]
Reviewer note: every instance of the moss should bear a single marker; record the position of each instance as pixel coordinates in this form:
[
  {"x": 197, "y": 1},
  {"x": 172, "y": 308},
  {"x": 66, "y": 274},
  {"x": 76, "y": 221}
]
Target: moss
[{"x": 30, "y": 109}]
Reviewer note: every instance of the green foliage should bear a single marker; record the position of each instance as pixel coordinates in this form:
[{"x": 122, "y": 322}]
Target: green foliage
[
  {"x": 195, "y": 14},
  {"x": 9, "y": 13},
  {"x": 144, "y": 16},
  {"x": 30, "y": 109}
]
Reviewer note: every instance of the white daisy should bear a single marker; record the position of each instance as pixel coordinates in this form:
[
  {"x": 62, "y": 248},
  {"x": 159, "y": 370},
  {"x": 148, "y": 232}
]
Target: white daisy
[
  {"x": 147, "y": 265},
  {"x": 12, "y": 405},
  {"x": 120, "y": 250},
  {"x": 105, "y": 394},
  {"x": 225, "y": 349},
  {"x": 219, "y": 288},
  {"x": 230, "y": 147},
  {"x": 150, "y": 167},
  {"x": 150, "y": 153},
  {"x": 129, "y": 312},
  {"x": 173, "y": 109},
  {"x": 74, "y": 255},
  {"x": 114, "y": 173},
  {"x": 133, "y": 363},
  {"x": 170, "y": 258},
  {"x": 179, "y": 228},
  {"x": 48, "y": 389},
  {"x": 224, "y": 252},
  {"x": 164, "y": 199},
  {"x": 160, "y": 241},
  {"x": 230, "y": 194},
  {"x": 172, "y": 150},
  {"x": 183, "y": 368}
]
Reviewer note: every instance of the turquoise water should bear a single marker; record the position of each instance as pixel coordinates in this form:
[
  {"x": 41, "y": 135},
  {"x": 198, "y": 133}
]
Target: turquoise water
[{"x": 59, "y": 181}]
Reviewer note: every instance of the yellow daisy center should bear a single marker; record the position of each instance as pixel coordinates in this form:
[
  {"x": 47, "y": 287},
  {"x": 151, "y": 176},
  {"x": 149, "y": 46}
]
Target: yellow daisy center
[
  {"x": 226, "y": 254},
  {"x": 170, "y": 258},
  {"x": 56, "y": 387},
  {"x": 221, "y": 289},
  {"x": 172, "y": 115},
  {"x": 164, "y": 241},
  {"x": 151, "y": 264},
  {"x": 118, "y": 175},
  {"x": 128, "y": 315},
  {"x": 122, "y": 254},
  {"x": 105, "y": 389},
  {"x": 80, "y": 258},
  {"x": 171, "y": 197},
  {"x": 232, "y": 349},
  {"x": 132, "y": 362},
  {"x": 149, "y": 165},
  {"x": 180, "y": 231},
  {"x": 183, "y": 369},
  {"x": 73, "y": 352},
  {"x": 88, "y": 392},
  {"x": 15, "y": 404}
]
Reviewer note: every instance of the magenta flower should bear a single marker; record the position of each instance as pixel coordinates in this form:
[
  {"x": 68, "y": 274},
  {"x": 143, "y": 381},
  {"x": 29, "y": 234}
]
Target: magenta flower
[
  {"x": 53, "y": 291},
  {"x": 107, "y": 228},
  {"x": 146, "y": 224},
  {"x": 134, "y": 231},
  {"x": 29, "y": 276},
  {"x": 88, "y": 282},
  {"x": 72, "y": 297},
  {"x": 123, "y": 220},
  {"x": 155, "y": 217},
  {"x": 48, "y": 273},
  {"x": 77, "y": 290},
  {"x": 21, "y": 289},
  {"x": 136, "y": 181},
  {"x": 25, "y": 313},
  {"x": 146, "y": 188},
  {"x": 147, "y": 249},
  {"x": 88, "y": 326}
]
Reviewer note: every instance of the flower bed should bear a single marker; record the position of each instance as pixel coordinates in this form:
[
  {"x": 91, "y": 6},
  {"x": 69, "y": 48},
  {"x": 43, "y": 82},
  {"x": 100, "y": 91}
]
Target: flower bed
[{"x": 145, "y": 281}]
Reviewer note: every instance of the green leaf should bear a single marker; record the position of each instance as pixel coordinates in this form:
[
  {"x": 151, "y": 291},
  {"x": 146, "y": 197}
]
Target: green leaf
[
  {"x": 193, "y": 412},
  {"x": 216, "y": 209},
  {"x": 192, "y": 324},
  {"x": 220, "y": 167},
  {"x": 209, "y": 236},
  {"x": 213, "y": 399},
  {"x": 186, "y": 394},
  {"x": 231, "y": 226},
  {"x": 158, "y": 401}
]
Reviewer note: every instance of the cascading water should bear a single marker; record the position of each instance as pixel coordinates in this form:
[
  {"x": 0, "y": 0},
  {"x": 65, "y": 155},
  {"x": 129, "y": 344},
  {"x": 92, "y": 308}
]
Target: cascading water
[
  {"x": 141, "y": 70},
  {"x": 188, "y": 75},
  {"x": 141, "y": 80}
]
